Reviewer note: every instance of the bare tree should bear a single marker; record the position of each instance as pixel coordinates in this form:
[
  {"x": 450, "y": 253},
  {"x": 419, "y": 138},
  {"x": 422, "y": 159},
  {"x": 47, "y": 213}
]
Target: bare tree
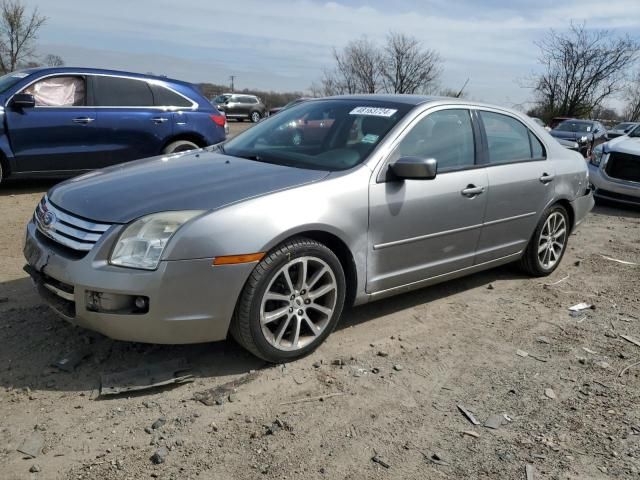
[
  {"x": 408, "y": 67},
  {"x": 52, "y": 60},
  {"x": 400, "y": 66},
  {"x": 18, "y": 32},
  {"x": 581, "y": 69},
  {"x": 632, "y": 97}
]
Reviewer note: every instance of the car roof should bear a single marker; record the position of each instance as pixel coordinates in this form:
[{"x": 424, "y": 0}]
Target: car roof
[{"x": 84, "y": 70}]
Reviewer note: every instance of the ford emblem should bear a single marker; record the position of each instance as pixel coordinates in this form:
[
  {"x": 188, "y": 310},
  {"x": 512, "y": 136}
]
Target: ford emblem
[{"x": 48, "y": 219}]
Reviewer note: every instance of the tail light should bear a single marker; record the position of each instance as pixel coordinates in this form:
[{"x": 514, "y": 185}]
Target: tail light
[{"x": 218, "y": 120}]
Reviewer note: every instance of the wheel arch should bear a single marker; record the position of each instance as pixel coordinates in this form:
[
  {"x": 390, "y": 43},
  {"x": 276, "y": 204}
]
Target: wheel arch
[
  {"x": 188, "y": 136},
  {"x": 569, "y": 208},
  {"x": 340, "y": 248}
]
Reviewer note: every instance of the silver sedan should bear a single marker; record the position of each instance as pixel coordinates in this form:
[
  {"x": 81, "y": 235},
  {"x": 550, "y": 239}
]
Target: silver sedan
[{"x": 331, "y": 202}]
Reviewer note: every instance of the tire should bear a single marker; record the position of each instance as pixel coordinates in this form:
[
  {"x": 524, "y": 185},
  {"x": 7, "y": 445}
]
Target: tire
[
  {"x": 179, "y": 146},
  {"x": 542, "y": 257},
  {"x": 311, "y": 314},
  {"x": 255, "y": 117}
]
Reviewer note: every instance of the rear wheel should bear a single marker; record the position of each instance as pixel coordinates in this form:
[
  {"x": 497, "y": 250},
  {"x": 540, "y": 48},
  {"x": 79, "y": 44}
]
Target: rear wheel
[
  {"x": 179, "y": 146},
  {"x": 548, "y": 244},
  {"x": 291, "y": 302},
  {"x": 255, "y": 117}
]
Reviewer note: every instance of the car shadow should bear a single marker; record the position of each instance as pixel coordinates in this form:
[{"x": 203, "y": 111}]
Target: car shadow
[
  {"x": 608, "y": 208},
  {"x": 33, "y": 338},
  {"x": 26, "y": 186}
]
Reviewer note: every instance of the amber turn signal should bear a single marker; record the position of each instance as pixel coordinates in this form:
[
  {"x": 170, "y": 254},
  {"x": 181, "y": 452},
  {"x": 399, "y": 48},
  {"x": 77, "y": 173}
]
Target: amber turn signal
[{"x": 233, "y": 259}]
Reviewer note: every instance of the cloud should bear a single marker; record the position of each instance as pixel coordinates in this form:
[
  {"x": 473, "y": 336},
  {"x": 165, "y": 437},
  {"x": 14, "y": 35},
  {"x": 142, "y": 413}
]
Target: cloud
[{"x": 286, "y": 44}]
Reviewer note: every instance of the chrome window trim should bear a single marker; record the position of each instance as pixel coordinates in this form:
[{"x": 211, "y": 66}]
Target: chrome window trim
[{"x": 194, "y": 105}]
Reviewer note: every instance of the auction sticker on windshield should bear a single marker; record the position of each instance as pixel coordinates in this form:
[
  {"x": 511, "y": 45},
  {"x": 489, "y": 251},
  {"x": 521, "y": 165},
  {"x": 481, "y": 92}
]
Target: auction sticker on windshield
[{"x": 373, "y": 111}]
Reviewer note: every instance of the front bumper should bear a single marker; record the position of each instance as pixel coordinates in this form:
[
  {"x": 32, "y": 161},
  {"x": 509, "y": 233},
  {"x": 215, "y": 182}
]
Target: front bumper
[
  {"x": 189, "y": 301},
  {"x": 613, "y": 189}
]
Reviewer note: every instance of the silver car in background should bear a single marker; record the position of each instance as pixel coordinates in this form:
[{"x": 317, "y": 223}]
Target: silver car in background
[
  {"x": 332, "y": 202},
  {"x": 615, "y": 169}
]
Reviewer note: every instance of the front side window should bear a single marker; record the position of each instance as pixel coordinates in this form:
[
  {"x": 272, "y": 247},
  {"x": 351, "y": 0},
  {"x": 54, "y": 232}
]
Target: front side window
[
  {"x": 63, "y": 91},
  {"x": 121, "y": 92},
  {"x": 321, "y": 134},
  {"x": 507, "y": 138},
  {"x": 221, "y": 98},
  {"x": 446, "y": 135}
]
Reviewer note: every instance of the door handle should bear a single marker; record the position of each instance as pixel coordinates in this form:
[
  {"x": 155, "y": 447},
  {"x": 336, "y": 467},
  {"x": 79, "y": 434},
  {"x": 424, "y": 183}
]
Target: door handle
[
  {"x": 83, "y": 120},
  {"x": 472, "y": 191},
  {"x": 159, "y": 119},
  {"x": 546, "y": 178}
]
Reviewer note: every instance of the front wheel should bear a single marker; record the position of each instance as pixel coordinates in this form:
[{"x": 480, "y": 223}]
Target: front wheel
[
  {"x": 548, "y": 244},
  {"x": 291, "y": 302}
]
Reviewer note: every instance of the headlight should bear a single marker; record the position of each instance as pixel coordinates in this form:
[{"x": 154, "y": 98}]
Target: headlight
[
  {"x": 141, "y": 244},
  {"x": 584, "y": 139},
  {"x": 598, "y": 154}
]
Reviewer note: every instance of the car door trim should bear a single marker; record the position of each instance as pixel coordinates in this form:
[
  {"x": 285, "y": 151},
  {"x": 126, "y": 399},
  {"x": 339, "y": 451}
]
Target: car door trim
[{"x": 404, "y": 241}]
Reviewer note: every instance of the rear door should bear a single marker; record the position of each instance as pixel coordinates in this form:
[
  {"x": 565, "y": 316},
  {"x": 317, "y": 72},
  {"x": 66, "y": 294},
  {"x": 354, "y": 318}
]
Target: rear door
[
  {"x": 521, "y": 185},
  {"x": 128, "y": 124},
  {"x": 58, "y": 134}
]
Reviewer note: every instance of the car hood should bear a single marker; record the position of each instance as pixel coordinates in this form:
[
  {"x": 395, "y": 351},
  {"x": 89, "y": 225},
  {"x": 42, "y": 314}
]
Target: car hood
[
  {"x": 569, "y": 135},
  {"x": 630, "y": 145},
  {"x": 197, "y": 180}
]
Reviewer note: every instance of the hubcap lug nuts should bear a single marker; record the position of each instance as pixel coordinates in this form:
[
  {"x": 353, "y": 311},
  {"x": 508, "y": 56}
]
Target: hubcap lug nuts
[
  {"x": 300, "y": 312},
  {"x": 303, "y": 292},
  {"x": 292, "y": 297},
  {"x": 290, "y": 309},
  {"x": 307, "y": 301}
]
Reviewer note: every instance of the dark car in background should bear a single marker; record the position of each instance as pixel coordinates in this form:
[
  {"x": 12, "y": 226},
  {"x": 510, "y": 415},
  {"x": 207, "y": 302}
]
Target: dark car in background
[
  {"x": 241, "y": 106},
  {"x": 64, "y": 121},
  {"x": 588, "y": 134}
]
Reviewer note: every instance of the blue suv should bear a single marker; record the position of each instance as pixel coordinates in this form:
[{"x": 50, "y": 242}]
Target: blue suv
[{"x": 64, "y": 121}]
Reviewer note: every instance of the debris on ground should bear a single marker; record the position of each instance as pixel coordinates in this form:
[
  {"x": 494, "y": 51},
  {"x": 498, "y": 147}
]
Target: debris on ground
[
  {"x": 437, "y": 459},
  {"x": 494, "y": 421},
  {"x": 218, "y": 395},
  {"x": 35, "y": 468},
  {"x": 630, "y": 340},
  {"x": 32, "y": 445},
  {"x": 383, "y": 354},
  {"x": 158, "y": 375},
  {"x": 276, "y": 426},
  {"x": 320, "y": 398},
  {"x": 159, "y": 423},
  {"x": 377, "y": 459},
  {"x": 471, "y": 433},
  {"x": 522, "y": 353},
  {"x": 398, "y": 368},
  {"x": 581, "y": 306},
  {"x": 69, "y": 362},
  {"x": 159, "y": 456},
  {"x": 529, "y": 472},
  {"x": 623, "y": 262},
  {"x": 550, "y": 393},
  {"x": 468, "y": 414}
]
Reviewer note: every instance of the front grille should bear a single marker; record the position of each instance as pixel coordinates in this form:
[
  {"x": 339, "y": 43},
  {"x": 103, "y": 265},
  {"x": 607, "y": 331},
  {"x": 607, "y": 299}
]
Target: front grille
[
  {"x": 66, "y": 229},
  {"x": 624, "y": 166}
]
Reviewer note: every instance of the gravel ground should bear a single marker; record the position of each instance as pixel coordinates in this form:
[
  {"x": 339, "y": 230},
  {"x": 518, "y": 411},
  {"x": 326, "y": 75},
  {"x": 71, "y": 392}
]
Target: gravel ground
[{"x": 385, "y": 386}]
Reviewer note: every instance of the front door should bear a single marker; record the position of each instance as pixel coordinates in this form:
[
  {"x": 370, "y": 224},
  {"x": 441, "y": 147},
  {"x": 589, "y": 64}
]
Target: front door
[
  {"x": 421, "y": 229},
  {"x": 58, "y": 134},
  {"x": 520, "y": 186}
]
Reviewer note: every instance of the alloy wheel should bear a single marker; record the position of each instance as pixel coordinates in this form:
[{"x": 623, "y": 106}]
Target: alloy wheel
[
  {"x": 298, "y": 303},
  {"x": 552, "y": 240},
  {"x": 255, "y": 117}
]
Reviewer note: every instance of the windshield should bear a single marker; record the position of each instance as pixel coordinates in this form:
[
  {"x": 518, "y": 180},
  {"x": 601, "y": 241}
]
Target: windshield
[
  {"x": 623, "y": 126},
  {"x": 221, "y": 98},
  {"x": 573, "y": 126},
  {"x": 10, "y": 79},
  {"x": 320, "y": 134}
]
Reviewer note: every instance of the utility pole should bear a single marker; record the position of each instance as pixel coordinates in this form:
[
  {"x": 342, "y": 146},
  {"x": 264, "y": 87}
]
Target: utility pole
[{"x": 232, "y": 77}]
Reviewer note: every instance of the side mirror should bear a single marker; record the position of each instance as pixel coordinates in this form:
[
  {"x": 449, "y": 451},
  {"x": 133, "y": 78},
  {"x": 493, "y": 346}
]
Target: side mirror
[
  {"x": 23, "y": 100},
  {"x": 414, "y": 168}
]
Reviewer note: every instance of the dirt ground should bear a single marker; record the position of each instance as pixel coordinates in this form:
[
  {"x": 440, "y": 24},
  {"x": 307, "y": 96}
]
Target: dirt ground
[{"x": 386, "y": 384}]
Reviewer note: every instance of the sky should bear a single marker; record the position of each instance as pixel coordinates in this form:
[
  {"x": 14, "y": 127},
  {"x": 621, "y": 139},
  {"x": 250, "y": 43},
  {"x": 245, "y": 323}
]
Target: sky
[{"x": 284, "y": 45}]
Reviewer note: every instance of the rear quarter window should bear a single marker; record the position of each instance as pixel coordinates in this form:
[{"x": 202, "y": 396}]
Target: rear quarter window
[{"x": 163, "y": 97}]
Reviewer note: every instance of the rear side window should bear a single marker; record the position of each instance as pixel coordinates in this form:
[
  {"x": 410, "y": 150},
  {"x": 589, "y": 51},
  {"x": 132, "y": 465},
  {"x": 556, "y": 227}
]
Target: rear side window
[
  {"x": 163, "y": 97},
  {"x": 508, "y": 139},
  {"x": 446, "y": 135},
  {"x": 121, "y": 92}
]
